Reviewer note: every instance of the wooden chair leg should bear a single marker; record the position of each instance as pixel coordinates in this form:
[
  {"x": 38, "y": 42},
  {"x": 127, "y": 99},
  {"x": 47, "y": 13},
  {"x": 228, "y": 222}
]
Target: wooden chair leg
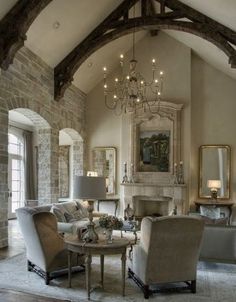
[
  {"x": 146, "y": 291},
  {"x": 29, "y": 266},
  {"x": 47, "y": 278},
  {"x": 193, "y": 286}
]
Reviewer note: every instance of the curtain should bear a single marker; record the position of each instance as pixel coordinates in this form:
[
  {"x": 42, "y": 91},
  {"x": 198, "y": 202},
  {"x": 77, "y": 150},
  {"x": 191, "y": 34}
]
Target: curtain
[{"x": 29, "y": 170}]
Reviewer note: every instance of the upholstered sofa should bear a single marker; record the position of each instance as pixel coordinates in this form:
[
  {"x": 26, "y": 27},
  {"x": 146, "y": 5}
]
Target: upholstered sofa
[
  {"x": 219, "y": 244},
  {"x": 219, "y": 239},
  {"x": 72, "y": 216}
]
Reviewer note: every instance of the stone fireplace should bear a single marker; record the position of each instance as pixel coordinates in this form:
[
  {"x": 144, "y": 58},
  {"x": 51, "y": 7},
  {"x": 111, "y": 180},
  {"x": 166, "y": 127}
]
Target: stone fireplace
[
  {"x": 151, "y": 198},
  {"x": 151, "y": 205},
  {"x": 152, "y": 148}
]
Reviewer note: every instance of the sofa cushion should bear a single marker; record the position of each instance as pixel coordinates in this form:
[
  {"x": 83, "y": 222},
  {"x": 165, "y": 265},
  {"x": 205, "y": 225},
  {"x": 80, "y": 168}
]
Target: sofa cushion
[
  {"x": 58, "y": 213},
  {"x": 82, "y": 212},
  {"x": 69, "y": 217},
  {"x": 68, "y": 206}
]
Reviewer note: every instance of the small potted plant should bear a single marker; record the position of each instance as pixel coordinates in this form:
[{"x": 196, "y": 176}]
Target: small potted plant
[{"x": 110, "y": 223}]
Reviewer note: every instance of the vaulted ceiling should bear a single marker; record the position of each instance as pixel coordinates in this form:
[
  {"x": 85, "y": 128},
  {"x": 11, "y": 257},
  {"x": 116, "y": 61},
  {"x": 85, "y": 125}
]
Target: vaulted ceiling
[{"x": 62, "y": 25}]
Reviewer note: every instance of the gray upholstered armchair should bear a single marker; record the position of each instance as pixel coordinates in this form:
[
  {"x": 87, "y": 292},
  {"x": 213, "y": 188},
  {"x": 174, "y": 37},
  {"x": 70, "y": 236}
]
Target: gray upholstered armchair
[
  {"x": 46, "y": 253},
  {"x": 168, "y": 252}
]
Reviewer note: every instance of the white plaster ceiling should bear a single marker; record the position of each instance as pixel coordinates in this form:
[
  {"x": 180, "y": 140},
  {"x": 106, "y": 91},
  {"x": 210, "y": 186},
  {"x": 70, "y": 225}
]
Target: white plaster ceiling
[{"x": 77, "y": 18}]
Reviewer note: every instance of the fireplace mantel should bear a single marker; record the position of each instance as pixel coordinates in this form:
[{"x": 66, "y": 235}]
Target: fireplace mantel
[{"x": 154, "y": 190}]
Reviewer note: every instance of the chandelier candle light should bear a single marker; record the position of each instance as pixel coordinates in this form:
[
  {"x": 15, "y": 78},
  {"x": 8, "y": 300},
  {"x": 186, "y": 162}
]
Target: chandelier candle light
[{"x": 131, "y": 91}]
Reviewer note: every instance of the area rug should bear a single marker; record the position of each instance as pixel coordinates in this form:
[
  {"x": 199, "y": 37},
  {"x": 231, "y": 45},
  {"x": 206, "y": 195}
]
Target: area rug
[{"x": 215, "y": 282}]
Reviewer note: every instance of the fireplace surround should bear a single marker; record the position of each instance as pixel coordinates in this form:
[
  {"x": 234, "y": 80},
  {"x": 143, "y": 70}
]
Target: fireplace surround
[{"x": 151, "y": 198}]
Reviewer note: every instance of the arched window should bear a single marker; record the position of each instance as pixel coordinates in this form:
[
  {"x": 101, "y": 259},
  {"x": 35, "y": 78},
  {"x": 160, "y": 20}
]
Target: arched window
[{"x": 16, "y": 180}]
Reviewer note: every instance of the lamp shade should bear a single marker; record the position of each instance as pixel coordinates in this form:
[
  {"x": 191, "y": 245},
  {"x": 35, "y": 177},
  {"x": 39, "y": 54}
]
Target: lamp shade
[
  {"x": 214, "y": 184},
  {"x": 89, "y": 188}
]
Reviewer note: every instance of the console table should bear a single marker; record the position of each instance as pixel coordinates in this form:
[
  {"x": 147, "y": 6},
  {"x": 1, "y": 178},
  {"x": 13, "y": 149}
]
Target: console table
[
  {"x": 102, "y": 248},
  {"x": 115, "y": 200},
  {"x": 218, "y": 204}
]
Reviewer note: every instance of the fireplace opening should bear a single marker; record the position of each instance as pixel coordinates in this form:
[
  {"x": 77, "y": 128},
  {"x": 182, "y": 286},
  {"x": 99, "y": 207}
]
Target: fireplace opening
[{"x": 155, "y": 206}]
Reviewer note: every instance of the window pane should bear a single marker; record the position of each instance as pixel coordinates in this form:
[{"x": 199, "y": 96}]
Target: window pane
[
  {"x": 13, "y": 149},
  {"x": 16, "y": 174},
  {"x": 15, "y": 196},
  {"x": 15, "y": 164},
  {"x": 12, "y": 139},
  {"x": 15, "y": 185}
]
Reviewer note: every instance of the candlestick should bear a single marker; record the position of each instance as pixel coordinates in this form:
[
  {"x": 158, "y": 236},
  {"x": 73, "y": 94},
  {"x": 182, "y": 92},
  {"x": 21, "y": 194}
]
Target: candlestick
[
  {"x": 125, "y": 177},
  {"x": 181, "y": 173}
]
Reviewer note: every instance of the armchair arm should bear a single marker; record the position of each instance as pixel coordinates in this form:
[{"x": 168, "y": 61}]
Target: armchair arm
[{"x": 139, "y": 262}]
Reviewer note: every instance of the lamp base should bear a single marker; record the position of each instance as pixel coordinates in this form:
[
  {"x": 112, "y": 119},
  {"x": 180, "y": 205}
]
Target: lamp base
[
  {"x": 90, "y": 236},
  {"x": 214, "y": 195}
]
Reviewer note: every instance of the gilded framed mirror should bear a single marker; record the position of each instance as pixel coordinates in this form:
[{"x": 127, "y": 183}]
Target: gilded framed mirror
[
  {"x": 214, "y": 166},
  {"x": 104, "y": 163}
]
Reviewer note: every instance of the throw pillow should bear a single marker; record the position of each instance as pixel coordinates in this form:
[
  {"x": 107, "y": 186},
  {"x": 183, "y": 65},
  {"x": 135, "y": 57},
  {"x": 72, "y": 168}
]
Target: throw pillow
[
  {"x": 58, "y": 213},
  {"x": 82, "y": 209},
  {"x": 79, "y": 214},
  {"x": 69, "y": 217},
  {"x": 210, "y": 211}
]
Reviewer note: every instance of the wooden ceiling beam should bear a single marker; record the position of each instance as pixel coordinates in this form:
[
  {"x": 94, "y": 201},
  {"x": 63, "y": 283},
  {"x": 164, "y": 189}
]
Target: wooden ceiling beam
[
  {"x": 118, "y": 23},
  {"x": 14, "y": 25}
]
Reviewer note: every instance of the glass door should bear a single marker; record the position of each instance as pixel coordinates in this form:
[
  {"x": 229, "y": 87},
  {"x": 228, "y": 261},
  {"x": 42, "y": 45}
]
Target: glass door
[{"x": 16, "y": 184}]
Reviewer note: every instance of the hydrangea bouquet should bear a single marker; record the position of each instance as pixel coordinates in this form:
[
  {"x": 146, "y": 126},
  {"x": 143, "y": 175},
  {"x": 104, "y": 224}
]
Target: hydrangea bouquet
[{"x": 110, "y": 222}]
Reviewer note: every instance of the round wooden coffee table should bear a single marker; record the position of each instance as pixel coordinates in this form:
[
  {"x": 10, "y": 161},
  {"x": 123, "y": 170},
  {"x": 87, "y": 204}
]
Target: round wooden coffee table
[{"x": 102, "y": 248}]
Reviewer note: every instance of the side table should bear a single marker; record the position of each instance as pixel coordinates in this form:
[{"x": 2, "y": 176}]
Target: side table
[
  {"x": 115, "y": 200},
  {"x": 102, "y": 248},
  {"x": 218, "y": 203}
]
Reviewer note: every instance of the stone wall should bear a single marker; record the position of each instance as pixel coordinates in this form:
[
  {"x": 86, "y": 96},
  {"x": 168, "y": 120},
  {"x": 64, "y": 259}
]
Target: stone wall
[{"x": 28, "y": 87}]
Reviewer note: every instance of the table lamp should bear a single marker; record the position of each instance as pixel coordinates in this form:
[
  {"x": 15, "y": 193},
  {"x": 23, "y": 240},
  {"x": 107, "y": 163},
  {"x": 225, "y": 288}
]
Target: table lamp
[
  {"x": 89, "y": 188},
  {"x": 214, "y": 185}
]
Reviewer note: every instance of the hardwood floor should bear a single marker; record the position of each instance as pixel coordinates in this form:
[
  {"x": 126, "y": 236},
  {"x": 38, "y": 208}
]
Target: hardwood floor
[
  {"x": 15, "y": 242},
  {"x": 14, "y": 296}
]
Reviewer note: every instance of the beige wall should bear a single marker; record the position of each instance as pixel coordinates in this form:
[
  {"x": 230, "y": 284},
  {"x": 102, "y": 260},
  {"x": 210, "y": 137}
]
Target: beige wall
[
  {"x": 212, "y": 116},
  {"x": 209, "y": 110},
  {"x": 104, "y": 128}
]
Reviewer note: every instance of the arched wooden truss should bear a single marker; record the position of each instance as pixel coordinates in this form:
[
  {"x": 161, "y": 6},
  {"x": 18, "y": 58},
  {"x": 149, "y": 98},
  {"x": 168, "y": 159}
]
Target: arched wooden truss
[
  {"x": 14, "y": 25},
  {"x": 173, "y": 15}
]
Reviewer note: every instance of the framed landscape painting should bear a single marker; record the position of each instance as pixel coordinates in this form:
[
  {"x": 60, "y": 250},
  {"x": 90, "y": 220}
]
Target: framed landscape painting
[{"x": 154, "y": 149}]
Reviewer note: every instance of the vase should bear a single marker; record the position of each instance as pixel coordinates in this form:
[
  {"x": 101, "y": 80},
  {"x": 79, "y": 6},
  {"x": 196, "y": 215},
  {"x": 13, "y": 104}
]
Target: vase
[{"x": 109, "y": 235}]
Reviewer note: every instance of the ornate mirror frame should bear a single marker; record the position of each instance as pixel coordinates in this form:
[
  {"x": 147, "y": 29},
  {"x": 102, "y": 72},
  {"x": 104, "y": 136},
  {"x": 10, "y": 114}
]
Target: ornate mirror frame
[
  {"x": 104, "y": 163},
  {"x": 167, "y": 120},
  {"x": 214, "y": 164}
]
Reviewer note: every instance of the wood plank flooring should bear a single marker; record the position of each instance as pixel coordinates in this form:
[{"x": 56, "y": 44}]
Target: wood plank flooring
[
  {"x": 16, "y": 244},
  {"x": 14, "y": 296}
]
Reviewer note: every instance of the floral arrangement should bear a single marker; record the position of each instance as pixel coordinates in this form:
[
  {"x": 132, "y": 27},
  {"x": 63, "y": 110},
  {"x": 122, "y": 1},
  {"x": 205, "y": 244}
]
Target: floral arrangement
[{"x": 110, "y": 222}]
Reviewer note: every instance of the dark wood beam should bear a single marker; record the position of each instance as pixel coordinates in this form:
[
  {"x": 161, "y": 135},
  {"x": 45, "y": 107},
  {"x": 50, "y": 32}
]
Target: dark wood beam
[
  {"x": 151, "y": 12},
  {"x": 64, "y": 71},
  {"x": 196, "y": 16},
  {"x": 14, "y": 25},
  {"x": 116, "y": 25}
]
